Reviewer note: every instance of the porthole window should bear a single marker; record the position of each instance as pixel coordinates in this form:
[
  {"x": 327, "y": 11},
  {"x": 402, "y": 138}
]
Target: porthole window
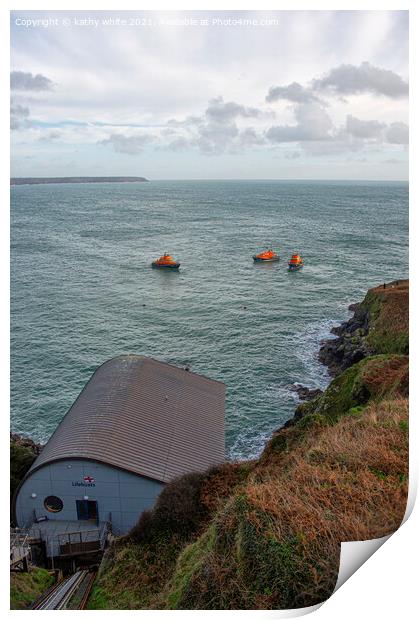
[{"x": 53, "y": 503}]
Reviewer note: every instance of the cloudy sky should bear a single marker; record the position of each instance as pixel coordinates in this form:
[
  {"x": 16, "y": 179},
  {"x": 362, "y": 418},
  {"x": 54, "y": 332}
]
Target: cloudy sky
[{"x": 293, "y": 95}]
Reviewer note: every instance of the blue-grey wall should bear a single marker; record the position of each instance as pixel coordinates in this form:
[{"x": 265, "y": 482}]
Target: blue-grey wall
[{"x": 123, "y": 495}]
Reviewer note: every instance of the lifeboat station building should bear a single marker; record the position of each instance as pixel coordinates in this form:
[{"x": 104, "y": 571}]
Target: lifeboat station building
[{"x": 137, "y": 424}]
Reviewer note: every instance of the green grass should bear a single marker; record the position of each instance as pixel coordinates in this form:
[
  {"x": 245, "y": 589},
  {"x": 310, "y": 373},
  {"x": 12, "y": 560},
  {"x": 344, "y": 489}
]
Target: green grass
[
  {"x": 388, "y": 321},
  {"x": 26, "y": 587},
  {"x": 372, "y": 378},
  {"x": 189, "y": 563}
]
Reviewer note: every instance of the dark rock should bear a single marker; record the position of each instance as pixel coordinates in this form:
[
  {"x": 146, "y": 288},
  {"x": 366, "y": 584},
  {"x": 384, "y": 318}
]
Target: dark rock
[
  {"x": 349, "y": 347},
  {"x": 306, "y": 393},
  {"x": 288, "y": 423},
  {"x": 26, "y": 442}
]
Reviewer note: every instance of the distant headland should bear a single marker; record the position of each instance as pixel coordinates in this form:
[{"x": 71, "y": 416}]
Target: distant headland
[{"x": 44, "y": 180}]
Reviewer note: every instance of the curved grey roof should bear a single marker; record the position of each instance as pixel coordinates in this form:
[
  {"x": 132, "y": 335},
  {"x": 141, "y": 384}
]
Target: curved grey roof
[{"x": 144, "y": 416}]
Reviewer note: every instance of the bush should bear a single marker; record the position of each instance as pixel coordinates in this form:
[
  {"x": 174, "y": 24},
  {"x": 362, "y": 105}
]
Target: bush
[
  {"x": 178, "y": 510},
  {"x": 21, "y": 459}
]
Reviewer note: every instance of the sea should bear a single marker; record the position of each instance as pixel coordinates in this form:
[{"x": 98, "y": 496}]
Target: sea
[{"x": 83, "y": 291}]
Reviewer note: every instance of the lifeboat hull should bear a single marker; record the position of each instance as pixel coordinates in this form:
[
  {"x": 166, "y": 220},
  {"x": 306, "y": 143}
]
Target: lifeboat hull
[
  {"x": 157, "y": 265},
  {"x": 292, "y": 267},
  {"x": 273, "y": 259}
]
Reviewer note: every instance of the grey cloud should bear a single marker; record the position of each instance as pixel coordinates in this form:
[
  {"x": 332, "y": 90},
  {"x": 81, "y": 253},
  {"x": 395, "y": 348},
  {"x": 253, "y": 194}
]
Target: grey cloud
[
  {"x": 19, "y": 80},
  {"x": 131, "y": 145},
  {"x": 250, "y": 137},
  {"x": 397, "y": 133},
  {"x": 221, "y": 112},
  {"x": 216, "y": 138},
  {"x": 313, "y": 123},
  {"x": 293, "y": 92},
  {"x": 18, "y": 116},
  {"x": 364, "y": 129},
  {"x": 216, "y": 131},
  {"x": 352, "y": 80},
  {"x": 189, "y": 121}
]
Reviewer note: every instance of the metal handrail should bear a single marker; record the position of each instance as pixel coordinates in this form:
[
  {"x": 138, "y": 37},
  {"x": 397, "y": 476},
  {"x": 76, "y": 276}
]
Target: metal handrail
[
  {"x": 19, "y": 538},
  {"x": 106, "y": 528}
]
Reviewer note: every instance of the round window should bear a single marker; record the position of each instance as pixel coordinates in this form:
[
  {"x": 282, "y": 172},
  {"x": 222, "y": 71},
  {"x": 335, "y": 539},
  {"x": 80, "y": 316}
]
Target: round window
[{"x": 53, "y": 503}]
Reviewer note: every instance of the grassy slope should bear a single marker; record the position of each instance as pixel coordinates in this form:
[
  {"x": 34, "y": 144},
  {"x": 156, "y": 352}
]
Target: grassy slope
[
  {"x": 266, "y": 534},
  {"x": 26, "y": 587},
  {"x": 389, "y": 318}
]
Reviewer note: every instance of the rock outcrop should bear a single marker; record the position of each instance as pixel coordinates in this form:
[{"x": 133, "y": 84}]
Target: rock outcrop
[{"x": 378, "y": 325}]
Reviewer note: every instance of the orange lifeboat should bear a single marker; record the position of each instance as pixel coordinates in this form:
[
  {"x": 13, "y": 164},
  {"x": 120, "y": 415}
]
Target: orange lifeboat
[
  {"x": 296, "y": 262},
  {"x": 165, "y": 262},
  {"x": 269, "y": 256}
]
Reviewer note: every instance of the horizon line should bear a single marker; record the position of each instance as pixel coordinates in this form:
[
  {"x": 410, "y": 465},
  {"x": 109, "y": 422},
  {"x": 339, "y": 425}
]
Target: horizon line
[{"x": 109, "y": 176}]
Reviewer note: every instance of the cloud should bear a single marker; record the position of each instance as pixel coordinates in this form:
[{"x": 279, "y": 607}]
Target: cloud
[
  {"x": 397, "y": 133},
  {"x": 364, "y": 129},
  {"x": 352, "y": 80},
  {"x": 293, "y": 92},
  {"x": 213, "y": 133},
  {"x": 313, "y": 123},
  {"x": 130, "y": 145},
  {"x": 216, "y": 138},
  {"x": 250, "y": 137},
  {"x": 216, "y": 131},
  {"x": 18, "y": 116},
  {"x": 19, "y": 80},
  {"x": 187, "y": 122},
  {"x": 221, "y": 112}
]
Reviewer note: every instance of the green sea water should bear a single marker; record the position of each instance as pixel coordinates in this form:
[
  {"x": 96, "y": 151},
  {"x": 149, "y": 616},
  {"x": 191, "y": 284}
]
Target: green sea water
[{"x": 83, "y": 290}]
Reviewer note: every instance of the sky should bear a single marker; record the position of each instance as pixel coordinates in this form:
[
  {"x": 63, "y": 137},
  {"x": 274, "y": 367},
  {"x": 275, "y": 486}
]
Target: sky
[{"x": 210, "y": 94}]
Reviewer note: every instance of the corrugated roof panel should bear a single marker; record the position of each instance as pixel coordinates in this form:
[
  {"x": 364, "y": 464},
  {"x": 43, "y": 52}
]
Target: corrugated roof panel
[{"x": 145, "y": 416}]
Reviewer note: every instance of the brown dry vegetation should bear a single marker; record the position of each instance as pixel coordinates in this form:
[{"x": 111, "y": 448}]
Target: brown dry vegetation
[
  {"x": 266, "y": 534},
  {"x": 269, "y": 532},
  {"x": 336, "y": 484},
  {"x": 276, "y": 543}
]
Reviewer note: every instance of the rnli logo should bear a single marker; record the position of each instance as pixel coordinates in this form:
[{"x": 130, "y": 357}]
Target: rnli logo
[{"x": 88, "y": 481}]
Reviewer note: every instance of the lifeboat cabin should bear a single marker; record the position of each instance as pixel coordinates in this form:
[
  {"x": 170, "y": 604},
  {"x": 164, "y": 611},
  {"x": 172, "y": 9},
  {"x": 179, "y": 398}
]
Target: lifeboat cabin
[
  {"x": 295, "y": 263},
  {"x": 165, "y": 262}
]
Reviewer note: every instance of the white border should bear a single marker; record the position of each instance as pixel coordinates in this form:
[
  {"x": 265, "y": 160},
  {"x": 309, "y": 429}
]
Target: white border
[{"x": 386, "y": 585}]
